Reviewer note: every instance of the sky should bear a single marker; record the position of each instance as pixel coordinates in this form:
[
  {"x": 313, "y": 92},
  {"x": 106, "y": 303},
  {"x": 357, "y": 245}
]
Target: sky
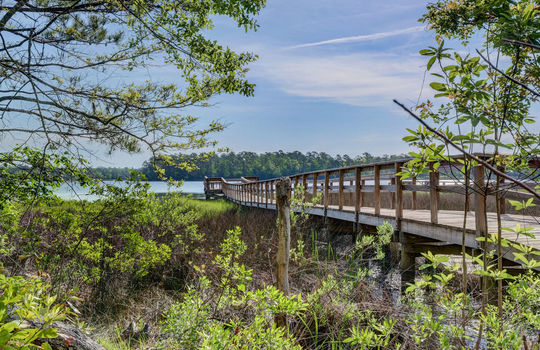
[{"x": 325, "y": 78}]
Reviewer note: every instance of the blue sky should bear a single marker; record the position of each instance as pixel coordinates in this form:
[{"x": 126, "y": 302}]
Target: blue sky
[{"x": 326, "y": 76}]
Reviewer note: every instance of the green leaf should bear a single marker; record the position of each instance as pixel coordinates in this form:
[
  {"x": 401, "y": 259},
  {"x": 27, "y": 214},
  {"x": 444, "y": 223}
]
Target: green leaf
[{"x": 438, "y": 86}]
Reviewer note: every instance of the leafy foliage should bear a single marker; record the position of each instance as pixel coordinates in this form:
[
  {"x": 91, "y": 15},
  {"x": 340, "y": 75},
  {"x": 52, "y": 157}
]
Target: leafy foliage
[{"x": 23, "y": 302}]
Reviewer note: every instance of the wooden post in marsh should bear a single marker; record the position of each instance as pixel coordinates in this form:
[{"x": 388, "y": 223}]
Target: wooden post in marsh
[
  {"x": 357, "y": 201},
  {"x": 283, "y": 196}
]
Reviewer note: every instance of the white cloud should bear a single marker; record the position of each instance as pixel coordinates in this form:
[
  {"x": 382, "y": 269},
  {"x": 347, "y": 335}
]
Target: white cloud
[
  {"x": 358, "y": 79},
  {"x": 359, "y": 38}
]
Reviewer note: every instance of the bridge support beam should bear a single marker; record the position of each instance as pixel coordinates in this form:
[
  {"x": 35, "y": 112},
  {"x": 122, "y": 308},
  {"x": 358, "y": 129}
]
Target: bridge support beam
[{"x": 407, "y": 262}]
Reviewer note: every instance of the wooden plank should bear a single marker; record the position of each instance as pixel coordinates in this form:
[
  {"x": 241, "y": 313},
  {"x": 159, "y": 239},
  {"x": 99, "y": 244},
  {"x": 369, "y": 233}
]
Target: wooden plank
[
  {"x": 433, "y": 197},
  {"x": 377, "y": 179},
  {"x": 341, "y": 173}
]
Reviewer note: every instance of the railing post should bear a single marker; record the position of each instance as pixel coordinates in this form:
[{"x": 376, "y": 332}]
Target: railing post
[
  {"x": 314, "y": 193},
  {"x": 266, "y": 193},
  {"x": 357, "y": 189},
  {"x": 414, "y": 203},
  {"x": 351, "y": 195},
  {"x": 393, "y": 193},
  {"x": 377, "y": 181},
  {"x": 341, "y": 175},
  {"x": 399, "y": 195},
  {"x": 433, "y": 197},
  {"x": 304, "y": 184},
  {"x": 326, "y": 190}
]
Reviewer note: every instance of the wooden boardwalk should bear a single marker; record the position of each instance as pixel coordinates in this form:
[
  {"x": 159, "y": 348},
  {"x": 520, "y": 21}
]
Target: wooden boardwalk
[{"x": 372, "y": 194}]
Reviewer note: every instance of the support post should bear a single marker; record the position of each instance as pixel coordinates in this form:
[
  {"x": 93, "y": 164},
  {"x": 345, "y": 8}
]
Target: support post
[
  {"x": 407, "y": 264},
  {"x": 283, "y": 195},
  {"x": 433, "y": 197},
  {"x": 377, "y": 181}
]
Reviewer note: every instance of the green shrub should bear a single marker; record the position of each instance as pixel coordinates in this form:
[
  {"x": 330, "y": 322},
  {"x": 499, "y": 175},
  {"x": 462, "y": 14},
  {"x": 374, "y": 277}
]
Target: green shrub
[
  {"x": 23, "y": 301},
  {"x": 230, "y": 314}
]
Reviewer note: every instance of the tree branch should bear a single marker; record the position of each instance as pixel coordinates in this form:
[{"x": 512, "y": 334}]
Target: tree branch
[
  {"x": 509, "y": 77},
  {"x": 469, "y": 155}
]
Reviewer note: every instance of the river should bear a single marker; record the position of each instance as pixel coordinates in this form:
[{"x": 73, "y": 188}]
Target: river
[{"x": 76, "y": 192}]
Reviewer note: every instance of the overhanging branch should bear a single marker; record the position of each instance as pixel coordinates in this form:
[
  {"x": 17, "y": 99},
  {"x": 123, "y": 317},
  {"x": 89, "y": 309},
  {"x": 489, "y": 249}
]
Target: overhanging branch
[{"x": 469, "y": 155}]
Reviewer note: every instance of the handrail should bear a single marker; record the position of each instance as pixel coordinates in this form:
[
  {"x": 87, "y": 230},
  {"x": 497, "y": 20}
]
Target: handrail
[{"x": 348, "y": 184}]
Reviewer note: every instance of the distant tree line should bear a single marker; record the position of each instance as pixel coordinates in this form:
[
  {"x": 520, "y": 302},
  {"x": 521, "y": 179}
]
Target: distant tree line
[{"x": 234, "y": 165}]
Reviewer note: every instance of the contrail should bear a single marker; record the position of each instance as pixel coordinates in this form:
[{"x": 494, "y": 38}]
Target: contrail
[{"x": 357, "y": 38}]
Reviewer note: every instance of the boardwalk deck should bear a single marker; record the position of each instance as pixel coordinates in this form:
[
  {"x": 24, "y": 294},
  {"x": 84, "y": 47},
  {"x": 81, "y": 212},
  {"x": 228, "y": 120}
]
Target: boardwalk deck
[{"x": 344, "y": 199}]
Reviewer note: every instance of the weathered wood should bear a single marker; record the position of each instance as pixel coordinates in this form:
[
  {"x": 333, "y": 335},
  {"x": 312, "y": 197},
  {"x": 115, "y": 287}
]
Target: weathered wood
[
  {"x": 433, "y": 197},
  {"x": 283, "y": 194},
  {"x": 377, "y": 179},
  {"x": 69, "y": 338},
  {"x": 341, "y": 173}
]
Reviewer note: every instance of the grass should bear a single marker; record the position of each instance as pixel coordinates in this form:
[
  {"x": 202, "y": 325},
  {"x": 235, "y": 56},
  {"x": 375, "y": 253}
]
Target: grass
[{"x": 208, "y": 208}]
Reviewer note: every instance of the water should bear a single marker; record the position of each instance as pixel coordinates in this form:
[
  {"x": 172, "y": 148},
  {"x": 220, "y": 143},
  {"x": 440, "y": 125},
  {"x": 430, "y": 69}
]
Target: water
[{"x": 77, "y": 192}]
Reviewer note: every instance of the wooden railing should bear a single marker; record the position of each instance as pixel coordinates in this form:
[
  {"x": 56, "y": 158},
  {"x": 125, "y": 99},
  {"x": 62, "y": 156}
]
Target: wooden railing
[{"x": 357, "y": 187}]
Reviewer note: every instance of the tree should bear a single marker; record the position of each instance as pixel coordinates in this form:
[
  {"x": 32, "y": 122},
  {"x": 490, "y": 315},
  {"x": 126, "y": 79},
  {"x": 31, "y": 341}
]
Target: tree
[
  {"x": 484, "y": 106},
  {"x": 58, "y": 60}
]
